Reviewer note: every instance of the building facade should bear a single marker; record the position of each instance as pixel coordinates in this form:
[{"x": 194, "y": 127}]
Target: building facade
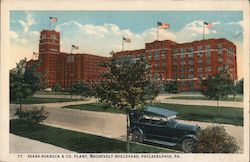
[
  {"x": 66, "y": 68},
  {"x": 187, "y": 63}
]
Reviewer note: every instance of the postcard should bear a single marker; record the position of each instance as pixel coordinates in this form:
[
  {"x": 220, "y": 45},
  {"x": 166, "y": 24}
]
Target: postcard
[{"x": 124, "y": 80}]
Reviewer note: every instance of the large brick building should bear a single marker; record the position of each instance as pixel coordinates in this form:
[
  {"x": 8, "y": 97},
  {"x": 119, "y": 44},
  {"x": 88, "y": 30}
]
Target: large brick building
[
  {"x": 66, "y": 68},
  {"x": 186, "y": 62}
]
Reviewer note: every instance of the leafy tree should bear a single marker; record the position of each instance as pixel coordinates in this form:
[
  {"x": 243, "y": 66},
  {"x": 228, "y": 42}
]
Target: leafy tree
[
  {"x": 125, "y": 86},
  {"x": 172, "y": 87},
  {"x": 57, "y": 87},
  {"x": 24, "y": 81},
  {"x": 239, "y": 86},
  {"x": 218, "y": 87},
  {"x": 81, "y": 88}
]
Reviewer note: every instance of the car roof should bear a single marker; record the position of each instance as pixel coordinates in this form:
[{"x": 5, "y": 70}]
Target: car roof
[{"x": 159, "y": 111}]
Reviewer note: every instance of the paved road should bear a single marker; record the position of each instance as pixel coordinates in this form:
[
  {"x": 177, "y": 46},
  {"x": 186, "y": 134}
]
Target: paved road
[
  {"x": 164, "y": 99},
  {"x": 24, "y": 145},
  {"x": 108, "y": 124}
]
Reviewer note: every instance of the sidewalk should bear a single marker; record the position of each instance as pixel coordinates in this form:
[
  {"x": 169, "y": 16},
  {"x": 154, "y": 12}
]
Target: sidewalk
[
  {"x": 164, "y": 99},
  {"x": 24, "y": 145}
]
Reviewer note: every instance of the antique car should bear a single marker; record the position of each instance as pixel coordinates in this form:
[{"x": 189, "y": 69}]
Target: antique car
[{"x": 159, "y": 125}]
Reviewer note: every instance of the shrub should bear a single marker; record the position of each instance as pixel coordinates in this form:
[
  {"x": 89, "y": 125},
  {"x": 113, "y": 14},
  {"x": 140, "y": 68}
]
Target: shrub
[
  {"x": 214, "y": 139},
  {"x": 33, "y": 116}
]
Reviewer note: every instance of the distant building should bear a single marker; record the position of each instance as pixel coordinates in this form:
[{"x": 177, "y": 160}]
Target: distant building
[
  {"x": 64, "y": 68},
  {"x": 187, "y": 63}
]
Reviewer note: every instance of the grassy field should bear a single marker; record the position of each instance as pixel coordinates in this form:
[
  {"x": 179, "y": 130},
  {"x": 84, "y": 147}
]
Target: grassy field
[
  {"x": 38, "y": 100},
  {"x": 79, "y": 142},
  {"x": 238, "y": 99},
  {"x": 227, "y": 115}
]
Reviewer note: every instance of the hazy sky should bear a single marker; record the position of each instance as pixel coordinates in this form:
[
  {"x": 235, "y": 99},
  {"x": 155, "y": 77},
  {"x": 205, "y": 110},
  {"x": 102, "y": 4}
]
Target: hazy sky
[{"x": 99, "y": 32}]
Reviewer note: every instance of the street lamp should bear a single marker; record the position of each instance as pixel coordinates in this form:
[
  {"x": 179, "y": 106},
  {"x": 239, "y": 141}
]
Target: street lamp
[{"x": 71, "y": 76}]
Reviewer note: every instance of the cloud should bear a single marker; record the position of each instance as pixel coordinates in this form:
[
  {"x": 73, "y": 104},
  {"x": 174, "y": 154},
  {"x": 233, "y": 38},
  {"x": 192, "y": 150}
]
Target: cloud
[
  {"x": 193, "y": 31},
  {"x": 24, "y": 25},
  {"x": 30, "y": 20},
  {"x": 14, "y": 35},
  {"x": 240, "y": 23}
]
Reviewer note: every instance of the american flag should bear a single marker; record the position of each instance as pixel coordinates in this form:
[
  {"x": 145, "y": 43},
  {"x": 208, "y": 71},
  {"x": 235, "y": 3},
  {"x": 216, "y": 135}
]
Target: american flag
[
  {"x": 163, "y": 25},
  {"x": 209, "y": 25},
  {"x": 127, "y": 40},
  {"x": 53, "y": 19}
]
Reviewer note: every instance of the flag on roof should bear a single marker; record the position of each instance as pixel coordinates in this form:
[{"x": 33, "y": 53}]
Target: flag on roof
[
  {"x": 127, "y": 40},
  {"x": 53, "y": 19},
  {"x": 75, "y": 47},
  {"x": 209, "y": 25},
  {"x": 163, "y": 25}
]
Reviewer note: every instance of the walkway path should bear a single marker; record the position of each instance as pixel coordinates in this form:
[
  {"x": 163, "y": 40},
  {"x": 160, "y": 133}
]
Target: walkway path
[
  {"x": 164, "y": 99},
  {"x": 25, "y": 145}
]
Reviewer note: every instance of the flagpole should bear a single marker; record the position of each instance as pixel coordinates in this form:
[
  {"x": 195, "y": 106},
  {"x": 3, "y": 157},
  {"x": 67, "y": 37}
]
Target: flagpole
[
  {"x": 203, "y": 31},
  {"x": 157, "y": 32},
  {"x": 49, "y": 23},
  {"x": 122, "y": 43},
  {"x": 71, "y": 49}
]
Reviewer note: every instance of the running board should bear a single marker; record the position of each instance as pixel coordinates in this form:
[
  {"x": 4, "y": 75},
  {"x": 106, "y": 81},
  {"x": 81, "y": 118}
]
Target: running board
[{"x": 160, "y": 142}]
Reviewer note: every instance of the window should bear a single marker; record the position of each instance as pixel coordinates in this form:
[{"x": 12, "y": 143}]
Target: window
[
  {"x": 199, "y": 70},
  {"x": 208, "y": 61},
  {"x": 208, "y": 54},
  {"x": 190, "y": 49},
  {"x": 190, "y": 70},
  {"x": 190, "y": 62},
  {"x": 207, "y": 47},
  {"x": 190, "y": 76},
  {"x": 199, "y": 48},
  {"x": 183, "y": 50},
  {"x": 191, "y": 56},
  {"x": 220, "y": 46},
  {"x": 175, "y": 50},
  {"x": 200, "y": 61},
  {"x": 208, "y": 69}
]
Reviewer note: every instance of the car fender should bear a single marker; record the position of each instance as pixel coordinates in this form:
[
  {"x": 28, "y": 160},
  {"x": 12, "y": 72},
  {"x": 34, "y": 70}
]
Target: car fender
[{"x": 189, "y": 136}]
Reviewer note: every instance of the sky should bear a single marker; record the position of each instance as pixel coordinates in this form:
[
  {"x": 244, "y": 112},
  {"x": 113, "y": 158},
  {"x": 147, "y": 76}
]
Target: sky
[{"x": 100, "y": 32}]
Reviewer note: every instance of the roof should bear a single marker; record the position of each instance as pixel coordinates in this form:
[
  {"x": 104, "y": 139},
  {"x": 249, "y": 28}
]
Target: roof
[{"x": 160, "y": 111}]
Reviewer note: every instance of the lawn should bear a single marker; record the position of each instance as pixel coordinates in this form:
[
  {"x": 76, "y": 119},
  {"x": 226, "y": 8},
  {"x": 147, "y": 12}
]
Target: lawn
[
  {"x": 228, "y": 115},
  {"x": 38, "y": 100},
  {"x": 237, "y": 99},
  {"x": 79, "y": 142}
]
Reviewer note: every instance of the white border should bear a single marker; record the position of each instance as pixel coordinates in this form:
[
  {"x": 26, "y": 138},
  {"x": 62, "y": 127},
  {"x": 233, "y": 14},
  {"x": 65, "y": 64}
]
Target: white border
[{"x": 185, "y": 5}]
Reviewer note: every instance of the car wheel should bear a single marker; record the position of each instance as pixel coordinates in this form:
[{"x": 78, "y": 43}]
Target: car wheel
[
  {"x": 188, "y": 145},
  {"x": 137, "y": 136}
]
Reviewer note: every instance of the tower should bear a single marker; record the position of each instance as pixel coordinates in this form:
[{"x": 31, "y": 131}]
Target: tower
[{"x": 49, "y": 49}]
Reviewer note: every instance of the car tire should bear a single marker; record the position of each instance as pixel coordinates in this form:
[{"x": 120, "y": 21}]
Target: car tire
[
  {"x": 137, "y": 136},
  {"x": 188, "y": 145}
]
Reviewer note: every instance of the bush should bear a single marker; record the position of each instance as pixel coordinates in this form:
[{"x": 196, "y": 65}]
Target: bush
[
  {"x": 33, "y": 116},
  {"x": 214, "y": 139}
]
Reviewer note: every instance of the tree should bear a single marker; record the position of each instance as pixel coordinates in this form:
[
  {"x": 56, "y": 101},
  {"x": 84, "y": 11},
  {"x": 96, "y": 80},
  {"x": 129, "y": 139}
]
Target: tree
[
  {"x": 24, "y": 81},
  {"x": 57, "y": 87},
  {"x": 218, "y": 86},
  {"x": 172, "y": 87},
  {"x": 239, "y": 86},
  {"x": 81, "y": 88},
  {"x": 125, "y": 86}
]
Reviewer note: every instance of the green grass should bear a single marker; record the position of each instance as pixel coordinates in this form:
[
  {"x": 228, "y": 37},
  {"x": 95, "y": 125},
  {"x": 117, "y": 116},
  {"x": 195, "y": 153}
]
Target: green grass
[
  {"x": 38, "y": 100},
  {"x": 228, "y": 115},
  {"x": 238, "y": 99},
  {"x": 79, "y": 142}
]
